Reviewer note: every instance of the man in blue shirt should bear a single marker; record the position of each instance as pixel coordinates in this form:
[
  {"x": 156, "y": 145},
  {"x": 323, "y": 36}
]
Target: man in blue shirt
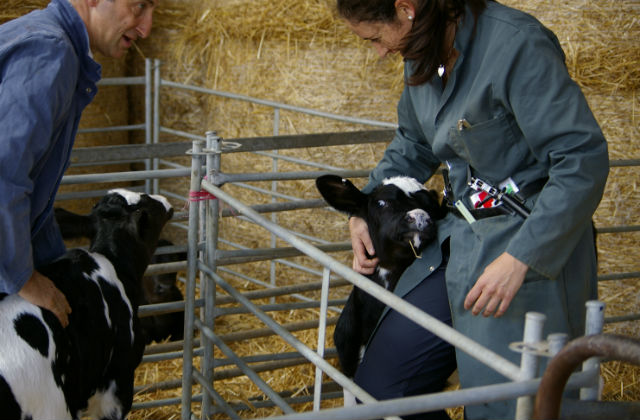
[{"x": 47, "y": 77}]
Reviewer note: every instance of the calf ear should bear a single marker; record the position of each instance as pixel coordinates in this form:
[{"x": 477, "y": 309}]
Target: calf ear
[
  {"x": 341, "y": 194},
  {"x": 429, "y": 201},
  {"x": 74, "y": 225}
]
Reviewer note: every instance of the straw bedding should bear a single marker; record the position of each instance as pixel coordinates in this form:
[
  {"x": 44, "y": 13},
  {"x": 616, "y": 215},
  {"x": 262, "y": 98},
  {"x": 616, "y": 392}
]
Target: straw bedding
[{"x": 299, "y": 53}]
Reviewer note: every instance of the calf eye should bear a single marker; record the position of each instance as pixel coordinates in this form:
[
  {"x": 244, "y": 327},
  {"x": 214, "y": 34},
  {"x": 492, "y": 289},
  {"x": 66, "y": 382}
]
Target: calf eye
[{"x": 382, "y": 203}]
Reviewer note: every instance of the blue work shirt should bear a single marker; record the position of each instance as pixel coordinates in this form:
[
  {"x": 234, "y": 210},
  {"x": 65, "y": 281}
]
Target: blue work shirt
[{"x": 47, "y": 78}]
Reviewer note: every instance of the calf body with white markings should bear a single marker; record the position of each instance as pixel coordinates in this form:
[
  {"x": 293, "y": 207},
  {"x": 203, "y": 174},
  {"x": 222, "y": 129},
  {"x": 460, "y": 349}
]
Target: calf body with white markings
[
  {"x": 157, "y": 288},
  {"x": 401, "y": 216},
  {"x": 47, "y": 372}
]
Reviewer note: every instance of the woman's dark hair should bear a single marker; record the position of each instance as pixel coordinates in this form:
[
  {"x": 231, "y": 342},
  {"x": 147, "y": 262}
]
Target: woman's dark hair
[{"x": 424, "y": 44}]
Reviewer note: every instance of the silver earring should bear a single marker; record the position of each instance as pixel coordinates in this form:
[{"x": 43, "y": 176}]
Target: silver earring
[{"x": 410, "y": 17}]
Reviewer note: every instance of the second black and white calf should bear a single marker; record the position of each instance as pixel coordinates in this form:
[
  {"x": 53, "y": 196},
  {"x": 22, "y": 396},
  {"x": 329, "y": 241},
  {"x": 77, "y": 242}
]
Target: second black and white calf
[
  {"x": 47, "y": 372},
  {"x": 157, "y": 288},
  {"x": 401, "y": 216}
]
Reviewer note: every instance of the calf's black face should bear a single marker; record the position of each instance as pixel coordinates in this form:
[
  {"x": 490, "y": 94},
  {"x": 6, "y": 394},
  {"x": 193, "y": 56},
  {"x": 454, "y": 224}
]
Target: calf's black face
[
  {"x": 400, "y": 214},
  {"x": 126, "y": 214}
]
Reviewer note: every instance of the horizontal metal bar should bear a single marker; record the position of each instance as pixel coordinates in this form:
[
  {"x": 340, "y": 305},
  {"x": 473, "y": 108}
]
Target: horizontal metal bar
[
  {"x": 278, "y": 105},
  {"x": 261, "y": 403},
  {"x": 298, "y": 141},
  {"x": 617, "y": 163},
  {"x": 161, "y": 308},
  {"x": 281, "y": 206},
  {"x": 223, "y": 178},
  {"x": 437, "y": 401},
  {"x": 299, "y": 161},
  {"x": 228, "y": 257},
  {"x": 619, "y": 276},
  {"x": 181, "y": 133},
  {"x": 124, "y": 176},
  {"x": 117, "y": 81},
  {"x": 279, "y": 307},
  {"x": 267, "y": 366},
  {"x": 618, "y": 229},
  {"x": 266, "y": 332},
  {"x": 622, "y": 318},
  {"x": 259, "y": 358},
  {"x": 130, "y": 127},
  {"x": 280, "y": 291},
  {"x": 128, "y": 151},
  {"x": 145, "y": 405}
]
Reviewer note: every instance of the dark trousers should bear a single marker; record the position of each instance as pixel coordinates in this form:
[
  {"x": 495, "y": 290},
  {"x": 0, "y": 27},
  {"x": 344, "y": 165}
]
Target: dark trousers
[{"x": 403, "y": 359}]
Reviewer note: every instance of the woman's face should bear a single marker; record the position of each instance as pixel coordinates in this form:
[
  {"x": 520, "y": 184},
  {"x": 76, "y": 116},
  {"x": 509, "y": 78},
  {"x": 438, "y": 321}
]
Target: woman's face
[{"x": 386, "y": 37}]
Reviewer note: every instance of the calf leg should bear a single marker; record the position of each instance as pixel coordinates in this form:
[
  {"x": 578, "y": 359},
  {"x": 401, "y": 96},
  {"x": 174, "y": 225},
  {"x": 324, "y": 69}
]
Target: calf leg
[{"x": 346, "y": 337}]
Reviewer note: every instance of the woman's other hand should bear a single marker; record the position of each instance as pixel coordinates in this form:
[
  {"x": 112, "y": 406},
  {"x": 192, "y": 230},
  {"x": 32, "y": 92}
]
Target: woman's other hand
[
  {"x": 362, "y": 246},
  {"x": 497, "y": 286}
]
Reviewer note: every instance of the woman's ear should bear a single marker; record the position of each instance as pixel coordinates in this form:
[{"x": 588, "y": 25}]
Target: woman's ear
[{"x": 405, "y": 10}]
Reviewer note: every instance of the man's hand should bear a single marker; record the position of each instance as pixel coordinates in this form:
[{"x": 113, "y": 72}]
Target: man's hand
[
  {"x": 41, "y": 291},
  {"x": 497, "y": 286},
  {"x": 362, "y": 245}
]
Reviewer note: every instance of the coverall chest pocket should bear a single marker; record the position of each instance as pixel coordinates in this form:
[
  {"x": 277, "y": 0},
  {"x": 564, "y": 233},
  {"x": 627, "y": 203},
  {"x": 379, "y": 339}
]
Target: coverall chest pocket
[{"x": 493, "y": 148}]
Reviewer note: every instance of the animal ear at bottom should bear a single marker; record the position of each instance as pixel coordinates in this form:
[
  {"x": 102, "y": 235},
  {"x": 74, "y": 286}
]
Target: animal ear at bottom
[
  {"x": 73, "y": 225},
  {"x": 341, "y": 194},
  {"x": 429, "y": 201}
]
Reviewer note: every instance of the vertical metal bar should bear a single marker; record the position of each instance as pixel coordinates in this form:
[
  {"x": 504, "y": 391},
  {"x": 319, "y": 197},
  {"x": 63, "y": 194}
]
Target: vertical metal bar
[
  {"x": 557, "y": 342},
  {"x": 593, "y": 325},
  {"x": 533, "y": 325},
  {"x": 148, "y": 117},
  {"x": 156, "y": 112},
  {"x": 209, "y": 291},
  {"x": 192, "y": 256},
  {"x": 274, "y": 188},
  {"x": 322, "y": 332}
]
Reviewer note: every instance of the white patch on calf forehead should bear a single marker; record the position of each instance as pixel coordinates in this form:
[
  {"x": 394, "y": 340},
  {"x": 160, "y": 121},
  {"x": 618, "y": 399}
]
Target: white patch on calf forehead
[
  {"x": 405, "y": 183},
  {"x": 163, "y": 200},
  {"x": 133, "y": 198}
]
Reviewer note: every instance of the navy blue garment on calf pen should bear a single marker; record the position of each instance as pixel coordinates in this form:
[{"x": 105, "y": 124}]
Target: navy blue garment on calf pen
[{"x": 403, "y": 359}]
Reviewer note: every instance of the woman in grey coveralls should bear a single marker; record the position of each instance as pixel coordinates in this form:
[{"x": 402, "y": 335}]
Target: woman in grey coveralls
[{"x": 487, "y": 93}]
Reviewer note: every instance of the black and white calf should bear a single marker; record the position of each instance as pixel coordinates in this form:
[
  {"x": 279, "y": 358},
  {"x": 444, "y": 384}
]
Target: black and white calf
[
  {"x": 401, "y": 216},
  {"x": 161, "y": 288},
  {"x": 47, "y": 372},
  {"x": 157, "y": 288}
]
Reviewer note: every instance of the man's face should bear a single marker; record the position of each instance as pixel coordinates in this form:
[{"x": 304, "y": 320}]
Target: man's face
[{"x": 114, "y": 24}]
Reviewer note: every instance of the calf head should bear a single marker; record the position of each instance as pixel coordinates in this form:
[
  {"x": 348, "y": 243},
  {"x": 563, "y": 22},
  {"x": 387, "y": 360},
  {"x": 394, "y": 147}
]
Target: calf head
[
  {"x": 127, "y": 215},
  {"x": 400, "y": 213},
  {"x": 124, "y": 226}
]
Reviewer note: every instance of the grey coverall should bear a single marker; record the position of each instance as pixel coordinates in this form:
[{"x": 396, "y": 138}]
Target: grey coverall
[{"x": 508, "y": 109}]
